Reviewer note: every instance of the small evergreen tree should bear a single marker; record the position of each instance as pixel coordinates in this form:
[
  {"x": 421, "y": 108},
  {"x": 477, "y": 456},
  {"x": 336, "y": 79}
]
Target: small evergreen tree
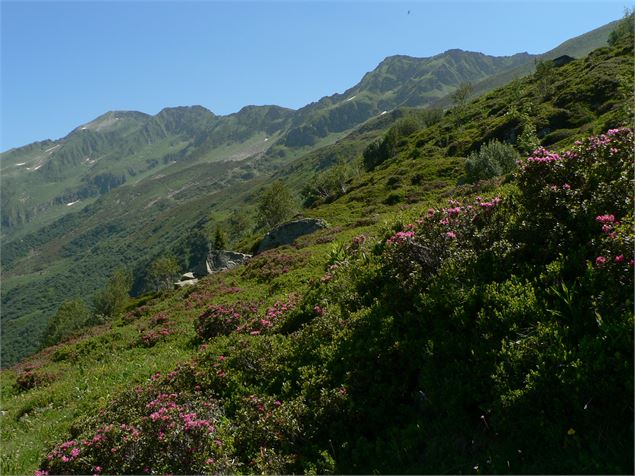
[
  {"x": 220, "y": 243},
  {"x": 545, "y": 73}
]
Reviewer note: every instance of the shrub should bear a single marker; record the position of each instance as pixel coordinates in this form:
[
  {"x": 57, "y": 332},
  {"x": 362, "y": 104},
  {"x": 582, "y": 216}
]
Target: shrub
[
  {"x": 111, "y": 300},
  {"x": 71, "y": 316},
  {"x": 491, "y": 160},
  {"x": 31, "y": 379},
  {"x": 177, "y": 433}
]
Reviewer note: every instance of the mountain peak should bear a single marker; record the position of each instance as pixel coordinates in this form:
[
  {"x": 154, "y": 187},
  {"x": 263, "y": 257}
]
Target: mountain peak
[{"x": 110, "y": 120}]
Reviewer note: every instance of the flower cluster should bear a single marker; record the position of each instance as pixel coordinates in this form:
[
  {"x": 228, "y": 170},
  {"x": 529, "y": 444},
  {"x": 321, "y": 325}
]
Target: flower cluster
[
  {"x": 400, "y": 238},
  {"x": 542, "y": 156},
  {"x": 224, "y": 319},
  {"x": 436, "y": 235},
  {"x": 151, "y": 337},
  {"x": 173, "y": 432},
  {"x": 273, "y": 314},
  {"x": 242, "y": 318}
]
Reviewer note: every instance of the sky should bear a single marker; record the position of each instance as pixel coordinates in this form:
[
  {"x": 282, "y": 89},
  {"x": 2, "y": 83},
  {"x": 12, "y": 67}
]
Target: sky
[{"x": 65, "y": 63}]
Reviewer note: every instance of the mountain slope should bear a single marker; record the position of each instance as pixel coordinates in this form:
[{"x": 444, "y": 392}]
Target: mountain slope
[
  {"x": 489, "y": 334},
  {"x": 93, "y": 200}
]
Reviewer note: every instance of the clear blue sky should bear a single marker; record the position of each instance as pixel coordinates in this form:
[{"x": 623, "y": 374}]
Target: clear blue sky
[{"x": 64, "y": 63}]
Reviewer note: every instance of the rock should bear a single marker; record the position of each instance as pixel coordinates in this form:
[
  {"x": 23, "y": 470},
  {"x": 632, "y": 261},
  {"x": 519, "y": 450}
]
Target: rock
[
  {"x": 220, "y": 260},
  {"x": 187, "y": 282},
  {"x": 288, "y": 232},
  {"x": 187, "y": 276}
]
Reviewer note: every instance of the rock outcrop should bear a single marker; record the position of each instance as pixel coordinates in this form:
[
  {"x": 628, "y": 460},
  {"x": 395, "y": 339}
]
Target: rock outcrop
[
  {"x": 219, "y": 260},
  {"x": 187, "y": 279},
  {"x": 288, "y": 232}
]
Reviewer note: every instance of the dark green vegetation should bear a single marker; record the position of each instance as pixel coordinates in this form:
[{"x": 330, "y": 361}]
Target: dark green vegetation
[
  {"x": 128, "y": 187},
  {"x": 433, "y": 328}
]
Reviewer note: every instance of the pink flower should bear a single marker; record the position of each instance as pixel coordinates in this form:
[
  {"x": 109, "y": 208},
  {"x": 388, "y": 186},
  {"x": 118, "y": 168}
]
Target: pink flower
[
  {"x": 619, "y": 258},
  {"x": 600, "y": 261},
  {"x": 75, "y": 452},
  {"x": 450, "y": 234},
  {"x": 41, "y": 472},
  {"x": 318, "y": 310},
  {"x": 277, "y": 403},
  {"x": 221, "y": 357},
  {"x": 566, "y": 186},
  {"x": 605, "y": 218},
  {"x": 400, "y": 237},
  {"x": 98, "y": 469}
]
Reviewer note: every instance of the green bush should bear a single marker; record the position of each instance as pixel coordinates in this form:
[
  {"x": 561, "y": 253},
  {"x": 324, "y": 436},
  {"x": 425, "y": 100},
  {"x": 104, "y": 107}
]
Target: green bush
[
  {"x": 491, "y": 160},
  {"x": 71, "y": 316}
]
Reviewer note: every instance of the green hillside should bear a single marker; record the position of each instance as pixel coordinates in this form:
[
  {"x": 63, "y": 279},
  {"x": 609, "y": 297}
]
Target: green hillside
[
  {"x": 457, "y": 316},
  {"x": 85, "y": 204}
]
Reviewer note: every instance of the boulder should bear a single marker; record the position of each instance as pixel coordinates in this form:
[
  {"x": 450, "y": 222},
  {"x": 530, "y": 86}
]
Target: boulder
[
  {"x": 186, "y": 282},
  {"x": 219, "y": 260},
  {"x": 288, "y": 232}
]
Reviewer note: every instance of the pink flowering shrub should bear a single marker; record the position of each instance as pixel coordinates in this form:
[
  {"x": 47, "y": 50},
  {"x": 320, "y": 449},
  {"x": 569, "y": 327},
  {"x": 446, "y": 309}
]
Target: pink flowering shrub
[
  {"x": 224, "y": 319},
  {"x": 149, "y": 338},
  {"x": 564, "y": 196},
  {"x": 242, "y": 317},
  {"x": 418, "y": 252},
  {"x": 32, "y": 379},
  {"x": 152, "y": 432}
]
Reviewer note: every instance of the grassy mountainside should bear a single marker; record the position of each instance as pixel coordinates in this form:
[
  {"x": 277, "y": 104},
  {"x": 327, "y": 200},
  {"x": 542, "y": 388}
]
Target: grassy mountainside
[{"x": 489, "y": 334}]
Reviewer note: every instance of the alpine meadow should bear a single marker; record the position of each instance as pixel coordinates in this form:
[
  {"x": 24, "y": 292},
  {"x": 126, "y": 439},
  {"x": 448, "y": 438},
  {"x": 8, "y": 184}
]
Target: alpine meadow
[{"x": 429, "y": 273}]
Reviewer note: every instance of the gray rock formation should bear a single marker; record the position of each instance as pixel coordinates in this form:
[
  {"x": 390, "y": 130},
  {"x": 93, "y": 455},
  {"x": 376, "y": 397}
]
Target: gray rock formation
[
  {"x": 288, "y": 232},
  {"x": 219, "y": 260},
  {"x": 186, "y": 282}
]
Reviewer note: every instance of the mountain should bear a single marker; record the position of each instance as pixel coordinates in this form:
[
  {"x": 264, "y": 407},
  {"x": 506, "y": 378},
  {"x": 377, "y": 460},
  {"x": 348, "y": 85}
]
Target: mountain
[
  {"x": 577, "y": 47},
  {"x": 397, "y": 81},
  {"x": 440, "y": 324},
  {"x": 92, "y": 201}
]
